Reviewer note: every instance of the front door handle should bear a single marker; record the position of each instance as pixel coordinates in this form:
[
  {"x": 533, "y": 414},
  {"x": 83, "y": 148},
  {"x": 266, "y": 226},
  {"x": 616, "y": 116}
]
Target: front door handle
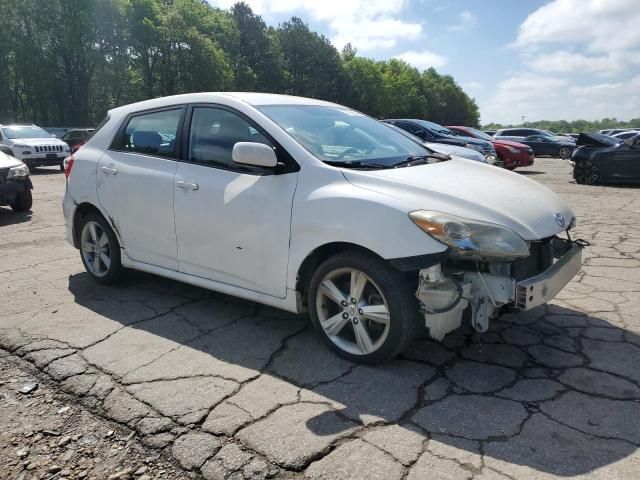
[
  {"x": 109, "y": 170},
  {"x": 187, "y": 185}
]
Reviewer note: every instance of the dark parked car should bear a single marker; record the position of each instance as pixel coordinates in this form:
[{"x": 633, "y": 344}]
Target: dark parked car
[
  {"x": 432, "y": 132},
  {"x": 512, "y": 154},
  {"x": 77, "y": 136},
  {"x": 600, "y": 158},
  {"x": 541, "y": 143}
]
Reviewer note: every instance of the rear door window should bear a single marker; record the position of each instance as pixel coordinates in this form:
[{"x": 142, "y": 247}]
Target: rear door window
[{"x": 153, "y": 133}]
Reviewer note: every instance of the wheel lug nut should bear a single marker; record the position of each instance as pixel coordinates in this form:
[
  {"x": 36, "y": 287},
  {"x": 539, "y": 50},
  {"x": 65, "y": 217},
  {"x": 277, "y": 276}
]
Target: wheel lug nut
[
  {"x": 343, "y": 303},
  {"x": 360, "y": 311},
  {"x": 355, "y": 321},
  {"x": 345, "y": 315},
  {"x": 353, "y": 300}
]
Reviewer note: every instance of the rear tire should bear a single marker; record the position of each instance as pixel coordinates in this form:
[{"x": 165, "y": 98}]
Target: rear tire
[
  {"x": 100, "y": 249},
  {"x": 363, "y": 309},
  {"x": 564, "y": 153},
  {"x": 23, "y": 201}
]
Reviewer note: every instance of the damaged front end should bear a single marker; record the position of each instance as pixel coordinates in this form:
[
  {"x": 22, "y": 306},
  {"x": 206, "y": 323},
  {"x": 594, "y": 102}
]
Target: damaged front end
[{"x": 483, "y": 288}]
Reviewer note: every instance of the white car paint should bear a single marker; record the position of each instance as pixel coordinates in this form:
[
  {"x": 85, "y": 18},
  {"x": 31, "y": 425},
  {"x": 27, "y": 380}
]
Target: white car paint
[
  {"x": 249, "y": 236},
  {"x": 7, "y": 161},
  {"x": 456, "y": 151}
]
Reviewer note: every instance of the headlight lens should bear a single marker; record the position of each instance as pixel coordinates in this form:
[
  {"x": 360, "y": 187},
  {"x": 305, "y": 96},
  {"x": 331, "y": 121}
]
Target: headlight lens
[
  {"x": 20, "y": 145},
  {"x": 20, "y": 171},
  {"x": 471, "y": 238}
]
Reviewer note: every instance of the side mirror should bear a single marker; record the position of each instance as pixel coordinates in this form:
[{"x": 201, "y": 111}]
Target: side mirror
[
  {"x": 252, "y": 153},
  {"x": 53, "y": 135}
]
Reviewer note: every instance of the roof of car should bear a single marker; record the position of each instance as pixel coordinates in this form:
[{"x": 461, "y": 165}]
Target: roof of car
[{"x": 251, "y": 98}]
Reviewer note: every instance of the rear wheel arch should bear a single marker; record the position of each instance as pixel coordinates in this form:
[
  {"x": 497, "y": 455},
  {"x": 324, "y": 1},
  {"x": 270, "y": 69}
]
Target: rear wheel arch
[{"x": 82, "y": 210}]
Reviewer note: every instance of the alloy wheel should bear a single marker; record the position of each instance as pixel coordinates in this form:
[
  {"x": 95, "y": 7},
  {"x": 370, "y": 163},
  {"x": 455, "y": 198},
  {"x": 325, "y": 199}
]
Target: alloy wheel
[
  {"x": 352, "y": 311},
  {"x": 96, "y": 249},
  {"x": 564, "y": 152},
  {"x": 586, "y": 173}
]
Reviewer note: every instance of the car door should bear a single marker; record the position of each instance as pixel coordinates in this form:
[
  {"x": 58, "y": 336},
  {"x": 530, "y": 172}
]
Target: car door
[
  {"x": 538, "y": 144},
  {"x": 135, "y": 183},
  {"x": 626, "y": 162},
  {"x": 232, "y": 221}
]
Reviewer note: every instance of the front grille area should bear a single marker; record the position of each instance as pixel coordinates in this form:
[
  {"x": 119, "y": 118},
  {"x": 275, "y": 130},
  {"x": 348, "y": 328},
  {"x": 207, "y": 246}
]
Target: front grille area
[
  {"x": 48, "y": 148},
  {"x": 541, "y": 258}
]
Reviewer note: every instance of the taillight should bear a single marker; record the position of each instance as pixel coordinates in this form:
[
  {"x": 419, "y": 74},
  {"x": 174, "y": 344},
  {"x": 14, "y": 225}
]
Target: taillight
[{"x": 67, "y": 164}]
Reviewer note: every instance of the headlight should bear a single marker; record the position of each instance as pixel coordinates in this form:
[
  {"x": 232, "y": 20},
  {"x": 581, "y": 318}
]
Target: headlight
[
  {"x": 491, "y": 159},
  {"x": 67, "y": 149},
  {"x": 20, "y": 171},
  {"x": 471, "y": 238},
  {"x": 20, "y": 145}
]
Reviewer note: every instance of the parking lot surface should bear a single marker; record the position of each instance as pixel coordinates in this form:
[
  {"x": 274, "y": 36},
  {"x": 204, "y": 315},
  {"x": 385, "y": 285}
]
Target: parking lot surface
[{"x": 236, "y": 390}]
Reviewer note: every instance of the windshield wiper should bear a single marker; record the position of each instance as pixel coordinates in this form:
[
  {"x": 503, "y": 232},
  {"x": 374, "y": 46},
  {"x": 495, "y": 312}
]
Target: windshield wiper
[
  {"x": 422, "y": 160},
  {"x": 355, "y": 164}
]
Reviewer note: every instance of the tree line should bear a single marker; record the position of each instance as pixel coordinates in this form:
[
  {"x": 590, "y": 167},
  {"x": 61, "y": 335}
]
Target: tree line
[
  {"x": 66, "y": 62},
  {"x": 575, "y": 126}
]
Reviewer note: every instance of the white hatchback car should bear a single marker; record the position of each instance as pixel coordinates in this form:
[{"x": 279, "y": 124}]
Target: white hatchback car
[{"x": 308, "y": 205}]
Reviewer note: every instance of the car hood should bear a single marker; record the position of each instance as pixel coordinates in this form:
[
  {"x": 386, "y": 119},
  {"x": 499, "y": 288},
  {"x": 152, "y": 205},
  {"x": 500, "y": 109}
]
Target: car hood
[
  {"x": 7, "y": 161},
  {"x": 509, "y": 143},
  {"x": 36, "y": 142},
  {"x": 455, "y": 150},
  {"x": 472, "y": 140},
  {"x": 596, "y": 140},
  {"x": 471, "y": 190}
]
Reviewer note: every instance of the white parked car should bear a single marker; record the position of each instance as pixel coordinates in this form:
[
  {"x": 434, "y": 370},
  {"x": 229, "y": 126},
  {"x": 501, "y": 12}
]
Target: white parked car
[
  {"x": 311, "y": 206},
  {"x": 15, "y": 184},
  {"x": 33, "y": 145}
]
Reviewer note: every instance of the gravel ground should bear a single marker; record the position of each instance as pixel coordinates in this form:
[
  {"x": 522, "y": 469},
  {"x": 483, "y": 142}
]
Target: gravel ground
[
  {"x": 231, "y": 389},
  {"x": 46, "y": 434}
]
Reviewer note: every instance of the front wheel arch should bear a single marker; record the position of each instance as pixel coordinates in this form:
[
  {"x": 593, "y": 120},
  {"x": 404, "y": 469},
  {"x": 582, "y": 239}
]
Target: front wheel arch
[{"x": 317, "y": 256}]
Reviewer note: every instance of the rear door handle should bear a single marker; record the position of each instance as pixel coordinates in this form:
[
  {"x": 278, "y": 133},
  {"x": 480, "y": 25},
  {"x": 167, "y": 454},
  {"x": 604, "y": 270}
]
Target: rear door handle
[
  {"x": 187, "y": 185},
  {"x": 109, "y": 170}
]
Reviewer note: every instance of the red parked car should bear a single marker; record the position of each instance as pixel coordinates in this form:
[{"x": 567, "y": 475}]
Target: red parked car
[{"x": 512, "y": 154}]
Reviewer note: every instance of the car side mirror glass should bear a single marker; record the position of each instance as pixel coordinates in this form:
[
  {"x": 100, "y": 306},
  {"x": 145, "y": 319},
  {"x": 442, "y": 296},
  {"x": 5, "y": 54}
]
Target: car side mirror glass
[{"x": 252, "y": 153}]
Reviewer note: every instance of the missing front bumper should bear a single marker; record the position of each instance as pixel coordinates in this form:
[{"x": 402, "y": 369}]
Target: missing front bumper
[
  {"x": 444, "y": 297},
  {"x": 538, "y": 290}
]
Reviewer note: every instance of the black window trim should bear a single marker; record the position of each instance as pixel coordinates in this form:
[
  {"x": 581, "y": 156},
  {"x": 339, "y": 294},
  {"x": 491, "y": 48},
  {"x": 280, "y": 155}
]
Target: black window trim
[
  {"x": 118, "y": 139},
  {"x": 286, "y": 162}
]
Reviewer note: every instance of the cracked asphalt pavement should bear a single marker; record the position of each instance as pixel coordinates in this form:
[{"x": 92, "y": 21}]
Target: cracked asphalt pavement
[{"x": 232, "y": 389}]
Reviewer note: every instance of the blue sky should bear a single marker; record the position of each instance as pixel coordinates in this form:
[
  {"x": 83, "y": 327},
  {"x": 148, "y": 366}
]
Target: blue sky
[{"x": 541, "y": 59}]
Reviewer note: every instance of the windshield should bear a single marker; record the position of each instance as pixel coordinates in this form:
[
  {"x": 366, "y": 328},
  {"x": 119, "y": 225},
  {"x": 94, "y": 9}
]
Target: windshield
[
  {"x": 341, "y": 136},
  {"x": 479, "y": 134},
  {"x": 13, "y": 133},
  {"x": 436, "y": 128}
]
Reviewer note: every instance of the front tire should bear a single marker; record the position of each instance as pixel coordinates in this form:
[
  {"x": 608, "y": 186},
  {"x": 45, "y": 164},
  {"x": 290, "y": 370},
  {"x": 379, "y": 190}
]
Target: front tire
[
  {"x": 363, "y": 309},
  {"x": 586, "y": 172},
  {"x": 564, "y": 153},
  {"x": 23, "y": 201},
  {"x": 100, "y": 250}
]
